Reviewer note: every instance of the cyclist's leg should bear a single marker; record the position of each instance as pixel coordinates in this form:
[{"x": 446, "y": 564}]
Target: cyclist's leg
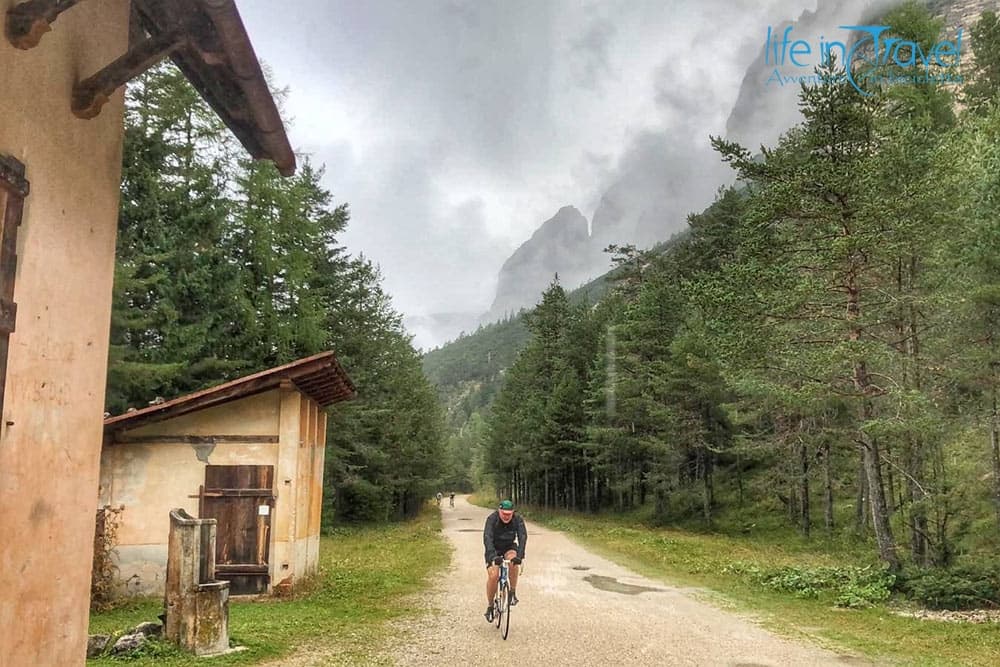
[
  {"x": 492, "y": 577},
  {"x": 510, "y": 555}
]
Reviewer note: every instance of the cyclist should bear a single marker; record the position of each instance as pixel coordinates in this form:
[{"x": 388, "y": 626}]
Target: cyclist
[
  {"x": 439, "y": 496},
  {"x": 504, "y": 536},
  {"x": 451, "y": 499}
]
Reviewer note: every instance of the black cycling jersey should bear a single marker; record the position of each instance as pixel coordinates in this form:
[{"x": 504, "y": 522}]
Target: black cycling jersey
[{"x": 500, "y": 537}]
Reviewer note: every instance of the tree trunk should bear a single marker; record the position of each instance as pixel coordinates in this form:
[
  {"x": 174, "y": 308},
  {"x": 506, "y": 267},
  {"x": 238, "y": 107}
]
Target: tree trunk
[
  {"x": 572, "y": 489},
  {"x": 890, "y": 497},
  {"x": 918, "y": 511},
  {"x": 879, "y": 509},
  {"x": 861, "y": 498},
  {"x": 828, "y": 488},
  {"x": 707, "y": 486},
  {"x": 739, "y": 475},
  {"x": 995, "y": 441},
  {"x": 873, "y": 464},
  {"x": 804, "y": 488},
  {"x": 545, "y": 501}
]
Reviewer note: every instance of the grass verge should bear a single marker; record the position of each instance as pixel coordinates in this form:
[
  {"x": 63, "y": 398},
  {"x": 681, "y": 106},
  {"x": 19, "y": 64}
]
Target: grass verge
[
  {"x": 344, "y": 614},
  {"x": 705, "y": 561}
]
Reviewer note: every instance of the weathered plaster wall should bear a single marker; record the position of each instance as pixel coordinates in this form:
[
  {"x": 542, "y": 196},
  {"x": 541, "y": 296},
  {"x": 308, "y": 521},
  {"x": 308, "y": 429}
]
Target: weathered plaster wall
[
  {"x": 299, "y": 487},
  {"x": 283, "y": 567},
  {"x": 58, "y": 355},
  {"x": 150, "y": 479}
]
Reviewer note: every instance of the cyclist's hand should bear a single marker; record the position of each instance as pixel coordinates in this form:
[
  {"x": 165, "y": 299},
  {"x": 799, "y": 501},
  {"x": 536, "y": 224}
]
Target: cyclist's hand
[
  {"x": 498, "y": 560},
  {"x": 517, "y": 561}
]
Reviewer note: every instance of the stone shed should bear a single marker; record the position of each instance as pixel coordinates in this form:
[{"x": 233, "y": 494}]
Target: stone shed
[{"x": 248, "y": 453}]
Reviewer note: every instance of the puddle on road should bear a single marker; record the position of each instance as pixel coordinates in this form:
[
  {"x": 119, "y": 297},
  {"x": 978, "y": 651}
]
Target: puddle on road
[
  {"x": 580, "y": 567},
  {"x": 465, "y": 518},
  {"x": 468, "y": 530},
  {"x": 614, "y": 586}
]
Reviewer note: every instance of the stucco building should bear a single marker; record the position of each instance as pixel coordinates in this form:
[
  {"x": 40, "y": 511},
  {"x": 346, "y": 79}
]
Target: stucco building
[
  {"x": 248, "y": 453},
  {"x": 62, "y": 67}
]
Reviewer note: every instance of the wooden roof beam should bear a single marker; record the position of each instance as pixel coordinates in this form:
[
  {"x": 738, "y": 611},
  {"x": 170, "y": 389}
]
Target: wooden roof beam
[
  {"x": 93, "y": 92},
  {"x": 28, "y": 21}
]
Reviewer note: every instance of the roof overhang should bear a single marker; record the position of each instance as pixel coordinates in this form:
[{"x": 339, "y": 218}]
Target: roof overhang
[
  {"x": 320, "y": 377},
  {"x": 219, "y": 61},
  {"x": 206, "y": 39}
]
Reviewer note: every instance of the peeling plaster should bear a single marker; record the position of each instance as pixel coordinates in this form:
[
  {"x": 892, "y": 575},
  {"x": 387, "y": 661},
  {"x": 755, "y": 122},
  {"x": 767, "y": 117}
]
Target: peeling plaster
[{"x": 203, "y": 450}]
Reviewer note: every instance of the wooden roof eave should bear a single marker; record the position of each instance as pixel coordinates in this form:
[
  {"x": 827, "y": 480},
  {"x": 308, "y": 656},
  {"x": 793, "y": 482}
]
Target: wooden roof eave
[
  {"x": 321, "y": 376},
  {"x": 206, "y": 39}
]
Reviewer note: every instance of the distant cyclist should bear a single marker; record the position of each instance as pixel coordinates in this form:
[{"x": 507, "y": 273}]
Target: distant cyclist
[
  {"x": 439, "y": 497},
  {"x": 504, "y": 536},
  {"x": 451, "y": 499}
]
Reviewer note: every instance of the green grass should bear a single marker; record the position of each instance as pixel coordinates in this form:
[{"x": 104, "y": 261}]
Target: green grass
[
  {"x": 699, "y": 560},
  {"x": 366, "y": 575}
]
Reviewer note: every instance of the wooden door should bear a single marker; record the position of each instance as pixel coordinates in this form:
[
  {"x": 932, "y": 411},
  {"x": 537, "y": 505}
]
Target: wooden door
[{"x": 240, "y": 499}]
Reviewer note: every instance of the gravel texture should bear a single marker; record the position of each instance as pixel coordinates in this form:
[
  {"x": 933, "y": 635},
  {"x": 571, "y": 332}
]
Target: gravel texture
[{"x": 579, "y": 609}]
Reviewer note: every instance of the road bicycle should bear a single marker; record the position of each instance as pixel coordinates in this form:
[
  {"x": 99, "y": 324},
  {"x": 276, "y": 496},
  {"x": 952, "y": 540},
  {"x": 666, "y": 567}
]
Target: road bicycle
[{"x": 501, "y": 601}]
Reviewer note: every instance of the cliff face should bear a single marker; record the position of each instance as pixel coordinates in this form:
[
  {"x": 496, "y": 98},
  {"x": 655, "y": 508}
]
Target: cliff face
[
  {"x": 764, "y": 110},
  {"x": 561, "y": 245},
  {"x": 664, "y": 177}
]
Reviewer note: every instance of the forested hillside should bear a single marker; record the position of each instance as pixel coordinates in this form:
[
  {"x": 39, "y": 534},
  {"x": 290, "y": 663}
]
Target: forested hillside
[
  {"x": 224, "y": 269},
  {"x": 822, "y": 347}
]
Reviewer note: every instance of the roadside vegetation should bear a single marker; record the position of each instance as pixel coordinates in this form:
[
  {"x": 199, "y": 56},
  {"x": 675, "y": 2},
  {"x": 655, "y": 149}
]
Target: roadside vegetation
[
  {"x": 366, "y": 582},
  {"x": 817, "y": 354},
  {"x": 830, "y": 591}
]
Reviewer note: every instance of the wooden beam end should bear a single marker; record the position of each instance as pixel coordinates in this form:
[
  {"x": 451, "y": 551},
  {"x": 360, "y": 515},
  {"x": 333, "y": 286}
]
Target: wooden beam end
[
  {"x": 25, "y": 33},
  {"x": 87, "y": 103}
]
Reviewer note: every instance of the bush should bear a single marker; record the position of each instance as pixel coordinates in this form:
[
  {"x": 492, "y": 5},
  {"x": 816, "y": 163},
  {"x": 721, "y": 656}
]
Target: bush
[
  {"x": 104, "y": 585},
  {"x": 854, "y": 587},
  {"x": 968, "y": 586},
  {"x": 359, "y": 500}
]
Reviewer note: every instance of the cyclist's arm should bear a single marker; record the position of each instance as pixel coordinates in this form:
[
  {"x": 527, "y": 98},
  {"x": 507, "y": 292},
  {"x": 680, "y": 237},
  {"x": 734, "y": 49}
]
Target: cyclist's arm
[
  {"x": 522, "y": 537},
  {"x": 488, "y": 538}
]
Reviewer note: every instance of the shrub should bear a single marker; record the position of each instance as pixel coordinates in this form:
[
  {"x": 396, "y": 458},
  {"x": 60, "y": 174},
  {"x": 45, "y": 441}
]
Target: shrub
[
  {"x": 967, "y": 586},
  {"x": 853, "y": 587},
  {"x": 359, "y": 500},
  {"x": 104, "y": 570}
]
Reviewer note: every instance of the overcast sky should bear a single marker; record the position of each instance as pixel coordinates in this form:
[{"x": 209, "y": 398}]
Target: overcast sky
[{"x": 454, "y": 128}]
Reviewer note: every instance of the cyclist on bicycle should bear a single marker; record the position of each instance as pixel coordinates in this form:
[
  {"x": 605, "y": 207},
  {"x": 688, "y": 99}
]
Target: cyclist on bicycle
[
  {"x": 451, "y": 499},
  {"x": 504, "y": 536}
]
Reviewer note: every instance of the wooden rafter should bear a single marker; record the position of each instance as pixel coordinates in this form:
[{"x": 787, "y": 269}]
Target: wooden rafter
[
  {"x": 93, "y": 92},
  {"x": 195, "y": 439},
  {"x": 28, "y": 21}
]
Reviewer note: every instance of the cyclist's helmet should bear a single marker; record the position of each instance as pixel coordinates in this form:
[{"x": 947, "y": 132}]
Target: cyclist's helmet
[{"x": 506, "y": 505}]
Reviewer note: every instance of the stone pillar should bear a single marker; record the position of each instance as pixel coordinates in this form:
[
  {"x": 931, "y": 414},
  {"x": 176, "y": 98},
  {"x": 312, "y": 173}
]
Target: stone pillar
[{"x": 197, "y": 606}]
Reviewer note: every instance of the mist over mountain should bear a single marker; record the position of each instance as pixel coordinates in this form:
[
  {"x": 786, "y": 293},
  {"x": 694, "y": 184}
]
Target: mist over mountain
[{"x": 664, "y": 175}]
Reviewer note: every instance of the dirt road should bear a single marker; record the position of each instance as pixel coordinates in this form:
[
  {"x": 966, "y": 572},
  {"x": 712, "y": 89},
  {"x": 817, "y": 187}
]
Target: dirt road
[{"x": 579, "y": 609}]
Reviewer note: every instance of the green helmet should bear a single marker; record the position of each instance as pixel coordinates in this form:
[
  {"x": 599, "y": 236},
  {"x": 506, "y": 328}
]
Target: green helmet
[{"x": 506, "y": 505}]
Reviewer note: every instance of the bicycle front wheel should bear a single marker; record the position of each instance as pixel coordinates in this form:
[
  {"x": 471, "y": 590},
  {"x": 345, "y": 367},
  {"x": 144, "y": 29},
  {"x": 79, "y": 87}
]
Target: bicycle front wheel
[
  {"x": 506, "y": 621},
  {"x": 501, "y": 605}
]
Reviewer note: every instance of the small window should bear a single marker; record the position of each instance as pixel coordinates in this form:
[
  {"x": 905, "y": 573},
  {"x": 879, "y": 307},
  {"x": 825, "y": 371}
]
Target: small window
[{"x": 13, "y": 189}]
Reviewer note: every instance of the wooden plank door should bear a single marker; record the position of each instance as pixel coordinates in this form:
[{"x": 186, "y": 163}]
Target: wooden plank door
[{"x": 240, "y": 498}]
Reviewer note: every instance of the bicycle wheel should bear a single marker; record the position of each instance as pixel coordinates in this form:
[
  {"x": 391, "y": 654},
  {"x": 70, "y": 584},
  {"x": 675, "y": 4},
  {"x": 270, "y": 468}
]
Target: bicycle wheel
[
  {"x": 501, "y": 605},
  {"x": 506, "y": 623}
]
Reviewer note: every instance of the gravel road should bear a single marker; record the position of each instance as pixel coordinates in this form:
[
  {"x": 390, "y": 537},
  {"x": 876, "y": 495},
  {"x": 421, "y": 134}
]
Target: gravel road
[{"x": 579, "y": 609}]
